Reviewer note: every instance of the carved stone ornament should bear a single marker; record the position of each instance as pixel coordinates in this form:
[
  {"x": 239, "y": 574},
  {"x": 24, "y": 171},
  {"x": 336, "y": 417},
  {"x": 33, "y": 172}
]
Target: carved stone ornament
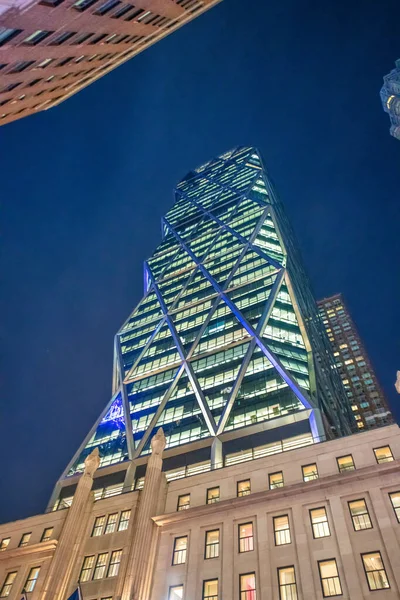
[
  {"x": 397, "y": 384},
  {"x": 92, "y": 462},
  {"x": 158, "y": 442}
]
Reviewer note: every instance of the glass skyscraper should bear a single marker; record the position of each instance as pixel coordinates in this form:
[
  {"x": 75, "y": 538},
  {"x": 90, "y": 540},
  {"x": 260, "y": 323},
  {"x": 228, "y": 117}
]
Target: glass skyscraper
[{"x": 226, "y": 350}]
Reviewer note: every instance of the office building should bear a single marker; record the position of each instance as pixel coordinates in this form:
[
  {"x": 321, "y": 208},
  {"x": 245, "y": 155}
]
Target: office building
[
  {"x": 365, "y": 395},
  {"x": 390, "y": 97},
  {"x": 51, "y": 49}
]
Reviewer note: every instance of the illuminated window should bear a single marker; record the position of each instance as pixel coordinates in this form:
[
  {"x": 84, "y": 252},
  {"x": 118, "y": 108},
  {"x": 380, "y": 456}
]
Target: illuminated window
[
  {"x": 212, "y": 544},
  {"x": 360, "y": 515},
  {"x": 175, "y": 592},
  {"x": 275, "y": 480},
  {"x": 36, "y": 37},
  {"x": 243, "y": 488},
  {"x": 6, "y": 35},
  {"x": 210, "y": 589},
  {"x": 98, "y": 526},
  {"x": 111, "y": 523},
  {"x": 180, "y": 549},
  {"x": 281, "y": 530},
  {"x": 47, "y": 533},
  {"x": 329, "y": 576},
  {"x": 31, "y": 579},
  {"x": 247, "y": 586},
  {"x": 319, "y": 522},
  {"x": 115, "y": 561},
  {"x": 8, "y": 583},
  {"x": 383, "y": 454},
  {"x": 24, "y": 539},
  {"x": 246, "y": 539},
  {"x": 287, "y": 583},
  {"x": 183, "y": 502},
  {"x": 310, "y": 472},
  {"x": 4, "y": 544},
  {"x": 212, "y": 495},
  {"x": 86, "y": 570},
  {"x": 345, "y": 463},
  {"x": 124, "y": 520},
  {"x": 375, "y": 571},
  {"x": 395, "y": 500},
  {"x": 100, "y": 568}
]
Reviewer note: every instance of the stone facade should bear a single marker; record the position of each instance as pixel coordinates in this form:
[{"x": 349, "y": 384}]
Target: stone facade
[{"x": 336, "y": 519}]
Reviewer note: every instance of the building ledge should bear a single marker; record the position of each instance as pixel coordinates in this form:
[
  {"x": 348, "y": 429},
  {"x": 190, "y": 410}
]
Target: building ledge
[{"x": 39, "y": 548}]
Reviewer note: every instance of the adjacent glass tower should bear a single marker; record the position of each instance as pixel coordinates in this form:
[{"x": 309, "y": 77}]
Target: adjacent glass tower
[
  {"x": 390, "y": 97},
  {"x": 221, "y": 351}
]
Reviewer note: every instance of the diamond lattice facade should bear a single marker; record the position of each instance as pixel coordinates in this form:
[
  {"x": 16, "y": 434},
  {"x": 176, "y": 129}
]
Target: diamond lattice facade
[{"x": 221, "y": 350}]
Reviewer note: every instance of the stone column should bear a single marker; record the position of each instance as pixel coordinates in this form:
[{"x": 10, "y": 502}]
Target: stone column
[
  {"x": 58, "y": 577},
  {"x": 142, "y": 553}
]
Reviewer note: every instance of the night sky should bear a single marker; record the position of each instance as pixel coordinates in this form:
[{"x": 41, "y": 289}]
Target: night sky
[{"x": 84, "y": 185}]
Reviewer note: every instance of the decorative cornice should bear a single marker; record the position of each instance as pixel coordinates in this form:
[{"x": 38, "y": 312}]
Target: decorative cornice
[{"x": 39, "y": 548}]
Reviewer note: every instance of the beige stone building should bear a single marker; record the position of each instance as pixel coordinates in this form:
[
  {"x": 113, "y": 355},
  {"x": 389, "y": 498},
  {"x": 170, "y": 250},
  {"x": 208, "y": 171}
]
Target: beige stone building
[{"x": 311, "y": 522}]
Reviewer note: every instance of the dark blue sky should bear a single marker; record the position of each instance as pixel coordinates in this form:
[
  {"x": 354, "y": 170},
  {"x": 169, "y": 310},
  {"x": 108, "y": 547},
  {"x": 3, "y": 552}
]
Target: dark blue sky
[{"x": 84, "y": 186}]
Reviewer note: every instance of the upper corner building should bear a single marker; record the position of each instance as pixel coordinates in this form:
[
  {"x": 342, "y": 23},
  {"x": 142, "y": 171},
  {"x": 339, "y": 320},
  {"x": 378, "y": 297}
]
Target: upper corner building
[
  {"x": 51, "y": 49},
  {"x": 223, "y": 467}
]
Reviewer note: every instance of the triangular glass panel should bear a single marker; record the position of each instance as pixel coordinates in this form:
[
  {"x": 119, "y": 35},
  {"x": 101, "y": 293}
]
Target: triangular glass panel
[
  {"x": 198, "y": 289},
  {"x": 188, "y": 323},
  {"x": 220, "y": 266},
  {"x": 251, "y": 266},
  {"x": 262, "y": 395},
  {"x": 182, "y": 419},
  {"x": 216, "y": 374},
  {"x": 269, "y": 241},
  {"x": 109, "y": 437},
  {"x": 246, "y": 218},
  {"x": 171, "y": 288},
  {"x": 161, "y": 354},
  {"x": 250, "y": 298},
  {"x": 223, "y": 328},
  {"x": 146, "y": 312},
  {"x": 132, "y": 343}
]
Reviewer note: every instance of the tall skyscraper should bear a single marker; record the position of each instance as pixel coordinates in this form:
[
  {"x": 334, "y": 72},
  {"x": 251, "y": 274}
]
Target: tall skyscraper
[
  {"x": 390, "y": 96},
  {"x": 221, "y": 350},
  {"x": 365, "y": 395},
  {"x": 52, "y": 49}
]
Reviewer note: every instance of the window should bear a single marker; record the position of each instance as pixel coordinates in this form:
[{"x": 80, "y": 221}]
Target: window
[
  {"x": 111, "y": 523},
  {"x": 345, "y": 463},
  {"x": 383, "y": 454},
  {"x": 4, "y": 544},
  {"x": 310, "y": 472},
  {"x": 287, "y": 583},
  {"x": 210, "y": 589},
  {"x": 87, "y": 566},
  {"x": 47, "y": 533},
  {"x": 6, "y": 35},
  {"x": 248, "y": 586},
  {"x": 37, "y": 36},
  {"x": 243, "y": 488},
  {"x": 212, "y": 544},
  {"x": 175, "y": 592},
  {"x": 63, "y": 37},
  {"x": 115, "y": 561},
  {"x": 21, "y": 66},
  {"x": 98, "y": 526},
  {"x": 83, "y": 4},
  {"x": 246, "y": 539},
  {"x": 183, "y": 502},
  {"x": 31, "y": 579},
  {"x": 180, "y": 548},
  {"x": 100, "y": 567},
  {"x": 329, "y": 578},
  {"x": 275, "y": 480},
  {"x": 319, "y": 522},
  {"x": 282, "y": 530},
  {"x": 107, "y": 6},
  {"x": 394, "y": 499},
  {"x": 212, "y": 495},
  {"x": 24, "y": 539},
  {"x": 8, "y": 583},
  {"x": 124, "y": 520},
  {"x": 375, "y": 571},
  {"x": 359, "y": 515}
]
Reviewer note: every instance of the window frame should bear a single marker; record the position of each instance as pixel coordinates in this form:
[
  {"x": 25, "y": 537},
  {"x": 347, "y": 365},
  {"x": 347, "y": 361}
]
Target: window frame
[
  {"x": 203, "y": 597},
  {"x": 314, "y": 464},
  {"x": 175, "y": 551},
  {"x": 275, "y": 487},
  {"x": 366, "y": 572},
  {"x": 112, "y": 523},
  {"x": 22, "y": 545},
  {"x": 212, "y": 544},
  {"x": 324, "y": 560},
  {"x": 111, "y": 563},
  {"x": 3, "y": 549},
  {"x": 89, "y": 569},
  {"x": 240, "y": 584},
  {"x": 45, "y": 538},
  {"x": 367, "y": 512},
  {"x": 246, "y": 537},
  {"x": 242, "y": 493},
  {"x": 278, "y": 531},
  {"x": 179, "y": 507},
  {"x": 345, "y": 470},
  {"x": 312, "y": 524},
  {"x": 125, "y": 520},
  {"x": 2, "y": 589},
  {"x": 395, "y": 507},
  {"x": 101, "y": 566},
  {"x": 285, "y": 584},
  {"x": 383, "y": 461},
  {"x": 29, "y": 579},
  {"x": 98, "y": 526},
  {"x": 173, "y": 587},
  {"x": 213, "y": 500}
]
